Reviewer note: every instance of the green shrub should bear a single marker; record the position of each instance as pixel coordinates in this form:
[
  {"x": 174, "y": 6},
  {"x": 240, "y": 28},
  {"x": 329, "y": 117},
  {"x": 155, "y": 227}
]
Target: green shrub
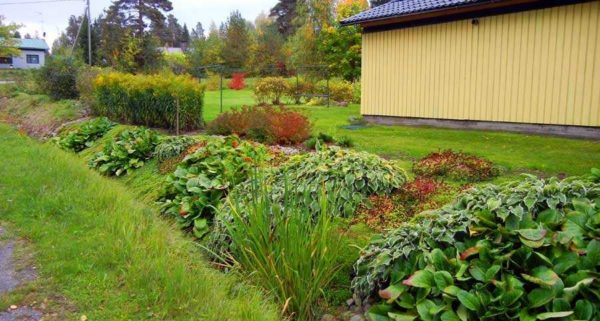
[
  {"x": 523, "y": 250},
  {"x": 456, "y": 166},
  {"x": 126, "y": 152},
  {"x": 340, "y": 91},
  {"x": 271, "y": 90},
  {"x": 57, "y": 78},
  {"x": 205, "y": 177},
  {"x": 289, "y": 250},
  {"x": 345, "y": 141},
  {"x": 84, "y": 135},
  {"x": 86, "y": 76},
  {"x": 300, "y": 88},
  {"x": 213, "y": 82},
  {"x": 173, "y": 146},
  {"x": 265, "y": 124},
  {"x": 150, "y": 100}
]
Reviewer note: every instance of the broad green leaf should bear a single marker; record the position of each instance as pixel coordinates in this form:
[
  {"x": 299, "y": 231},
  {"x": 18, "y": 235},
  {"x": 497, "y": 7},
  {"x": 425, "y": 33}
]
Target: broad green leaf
[
  {"x": 401, "y": 316},
  {"x": 469, "y": 300},
  {"x": 584, "y": 310},
  {"x": 392, "y": 292},
  {"x": 553, "y": 315},
  {"x": 449, "y": 316},
  {"x": 421, "y": 279},
  {"x": 443, "y": 279},
  {"x": 539, "y": 297}
]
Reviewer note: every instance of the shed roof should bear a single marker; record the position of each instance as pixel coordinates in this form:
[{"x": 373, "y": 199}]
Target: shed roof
[
  {"x": 39, "y": 44},
  {"x": 397, "y": 8}
]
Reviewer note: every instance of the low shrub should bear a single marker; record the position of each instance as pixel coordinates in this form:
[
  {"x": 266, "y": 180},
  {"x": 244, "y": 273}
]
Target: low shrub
[
  {"x": 173, "y": 146},
  {"x": 212, "y": 81},
  {"x": 271, "y": 90},
  {"x": 290, "y": 250},
  {"x": 456, "y": 166},
  {"x": 300, "y": 88},
  {"x": 86, "y": 77},
  {"x": 237, "y": 81},
  {"x": 271, "y": 125},
  {"x": 340, "y": 91},
  {"x": 126, "y": 152},
  {"x": 58, "y": 77},
  {"x": 523, "y": 250},
  {"x": 176, "y": 63},
  {"x": 84, "y": 135},
  {"x": 345, "y": 141},
  {"x": 356, "y": 87},
  {"x": 150, "y": 100},
  {"x": 205, "y": 177}
]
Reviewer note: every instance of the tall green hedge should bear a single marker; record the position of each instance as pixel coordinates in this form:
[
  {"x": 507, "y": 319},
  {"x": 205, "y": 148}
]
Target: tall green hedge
[{"x": 150, "y": 100}]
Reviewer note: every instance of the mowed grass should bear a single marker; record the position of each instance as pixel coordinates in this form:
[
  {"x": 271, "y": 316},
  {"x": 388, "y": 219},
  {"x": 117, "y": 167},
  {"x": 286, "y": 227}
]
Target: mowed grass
[
  {"x": 110, "y": 255},
  {"x": 546, "y": 155}
]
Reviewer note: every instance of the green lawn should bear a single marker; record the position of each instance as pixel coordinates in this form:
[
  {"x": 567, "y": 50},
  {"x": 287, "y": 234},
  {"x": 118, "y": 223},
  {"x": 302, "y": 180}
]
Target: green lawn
[
  {"x": 109, "y": 254},
  {"x": 516, "y": 152}
]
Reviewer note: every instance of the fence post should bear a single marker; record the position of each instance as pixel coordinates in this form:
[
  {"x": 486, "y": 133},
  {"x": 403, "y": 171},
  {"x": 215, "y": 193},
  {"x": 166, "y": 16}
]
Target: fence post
[
  {"x": 221, "y": 89},
  {"x": 177, "y": 117},
  {"x": 297, "y": 89},
  {"x": 328, "y": 92}
]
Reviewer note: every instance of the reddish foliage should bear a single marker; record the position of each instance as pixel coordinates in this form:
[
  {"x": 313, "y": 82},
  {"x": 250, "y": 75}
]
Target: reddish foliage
[
  {"x": 238, "y": 80},
  {"x": 272, "y": 125},
  {"x": 457, "y": 166},
  {"x": 421, "y": 189}
]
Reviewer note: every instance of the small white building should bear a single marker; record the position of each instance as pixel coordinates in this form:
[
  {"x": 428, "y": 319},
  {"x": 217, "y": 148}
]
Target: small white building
[{"x": 33, "y": 55}]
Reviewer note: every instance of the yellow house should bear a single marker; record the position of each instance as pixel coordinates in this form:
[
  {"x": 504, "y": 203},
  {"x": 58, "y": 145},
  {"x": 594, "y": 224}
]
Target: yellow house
[{"x": 517, "y": 65}]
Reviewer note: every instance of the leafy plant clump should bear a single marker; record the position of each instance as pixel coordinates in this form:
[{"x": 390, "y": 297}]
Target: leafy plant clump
[
  {"x": 127, "y": 152},
  {"x": 525, "y": 250},
  {"x": 205, "y": 177},
  {"x": 290, "y": 250},
  {"x": 270, "y": 90},
  {"x": 456, "y": 166},
  {"x": 173, "y": 146},
  {"x": 84, "y": 135},
  {"x": 265, "y": 124}
]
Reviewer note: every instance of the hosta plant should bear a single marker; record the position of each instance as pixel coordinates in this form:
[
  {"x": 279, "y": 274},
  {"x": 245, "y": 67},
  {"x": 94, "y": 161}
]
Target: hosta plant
[
  {"x": 84, "y": 135},
  {"x": 346, "y": 176},
  {"x": 205, "y": 177},
  {"x": 128, "y": 151},
  {"x": 173, "y": 146},
  {"x": 527, "y": 250}
]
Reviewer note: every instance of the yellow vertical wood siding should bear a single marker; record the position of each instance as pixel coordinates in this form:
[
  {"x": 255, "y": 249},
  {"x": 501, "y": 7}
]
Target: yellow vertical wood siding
[{"x": 540, "y": 66}]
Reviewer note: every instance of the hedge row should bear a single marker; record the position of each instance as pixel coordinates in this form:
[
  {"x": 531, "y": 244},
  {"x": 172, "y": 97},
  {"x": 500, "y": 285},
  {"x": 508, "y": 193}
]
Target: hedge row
[{"x": 150, "y": 100}]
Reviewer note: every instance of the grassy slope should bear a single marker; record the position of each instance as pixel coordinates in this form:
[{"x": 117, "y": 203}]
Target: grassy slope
[
  {"x": 551, "y": 155},
  {"x": 109, "y": 254}
]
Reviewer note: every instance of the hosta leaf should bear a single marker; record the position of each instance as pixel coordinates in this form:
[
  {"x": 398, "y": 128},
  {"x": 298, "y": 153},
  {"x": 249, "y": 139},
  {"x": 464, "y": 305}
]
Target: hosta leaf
[
  {"x": 443, "y": 279},
  {"x": 542, "y": 276},
  {"x": 401, "y": 316},
  {"x": 553, "y": 315},
  {"x": 469, "y": 300},
  {"x": 421, "y": 279},
  {"x": 449, "y": 316},
  {"x": 584, "y": 310},
  {"x": 392, "y": 292},
  {"x": 532, "y": 234},
  {"x": 539, "y": 297}
]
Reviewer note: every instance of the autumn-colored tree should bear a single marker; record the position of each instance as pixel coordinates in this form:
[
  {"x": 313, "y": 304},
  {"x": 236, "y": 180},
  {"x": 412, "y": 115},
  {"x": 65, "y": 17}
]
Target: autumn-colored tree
[
  {"x": 237, "y": 41},
  {"x": 7, "y": 42},
  {"x": 340, "y": 47}
]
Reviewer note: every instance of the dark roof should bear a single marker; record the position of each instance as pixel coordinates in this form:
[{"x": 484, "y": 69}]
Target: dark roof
[{"x": 397, "y": 8}]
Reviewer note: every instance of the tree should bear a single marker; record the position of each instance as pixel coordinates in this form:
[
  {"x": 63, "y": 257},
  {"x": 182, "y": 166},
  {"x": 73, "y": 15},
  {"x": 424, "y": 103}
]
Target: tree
[
  {"x": 17, "y": 34},
  {"x": 198, "y": 32},
  {"x": 136, "y": 12},
  {"x": 284, "y": 13},
  {"x": 312, "y": 17},
  {"x": 267, "y": 49},
  {"x": 213, "y": 47},
  {"x": 340, "y": 46},
  {"x": 237, "y": 41},
  {"x": 185, "y": 36},
  {"x": 7, "y": 42},
  {"x": 113, "y": 34}
]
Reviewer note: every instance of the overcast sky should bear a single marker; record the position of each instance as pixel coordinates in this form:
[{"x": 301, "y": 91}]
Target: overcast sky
[{"x": 55, "y": 15}]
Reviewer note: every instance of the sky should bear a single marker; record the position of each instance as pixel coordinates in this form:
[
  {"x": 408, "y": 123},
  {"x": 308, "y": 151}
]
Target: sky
[{"x": 52, "y": 17}]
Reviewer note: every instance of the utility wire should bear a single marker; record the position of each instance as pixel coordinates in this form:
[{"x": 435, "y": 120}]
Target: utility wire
[{"x": 36, "y": 2}]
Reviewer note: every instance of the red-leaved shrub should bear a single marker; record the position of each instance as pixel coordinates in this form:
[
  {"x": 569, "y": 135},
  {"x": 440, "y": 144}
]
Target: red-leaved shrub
[
  {"x": 238, "y": 81},
  {"x": 266, "y": 124},
  {"x": 456, "y": 166}
]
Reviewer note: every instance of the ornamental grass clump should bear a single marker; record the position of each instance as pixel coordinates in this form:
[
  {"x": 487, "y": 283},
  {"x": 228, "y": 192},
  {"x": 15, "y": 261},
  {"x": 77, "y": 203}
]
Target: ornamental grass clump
[
  {"x": 525, "y": 250},
  {"x": 205, "y": 177},
  {"x": 127, "y": 152},
  {"x": 150, "y": 100},
  {"x": 456, "y": 166},
  {"x": 290, "y": 250},
  {"x": 84, "y": 135}
]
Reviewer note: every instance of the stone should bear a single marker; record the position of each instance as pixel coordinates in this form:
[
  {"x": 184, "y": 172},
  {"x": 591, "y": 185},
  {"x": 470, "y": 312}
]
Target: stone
[{"x": 357, "y": 317}]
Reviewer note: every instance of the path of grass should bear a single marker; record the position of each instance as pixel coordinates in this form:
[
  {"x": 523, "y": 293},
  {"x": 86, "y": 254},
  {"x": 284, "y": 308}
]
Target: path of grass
[
  {"x": 109, "y": 254},
  {"x": 516, "y": 152}
]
